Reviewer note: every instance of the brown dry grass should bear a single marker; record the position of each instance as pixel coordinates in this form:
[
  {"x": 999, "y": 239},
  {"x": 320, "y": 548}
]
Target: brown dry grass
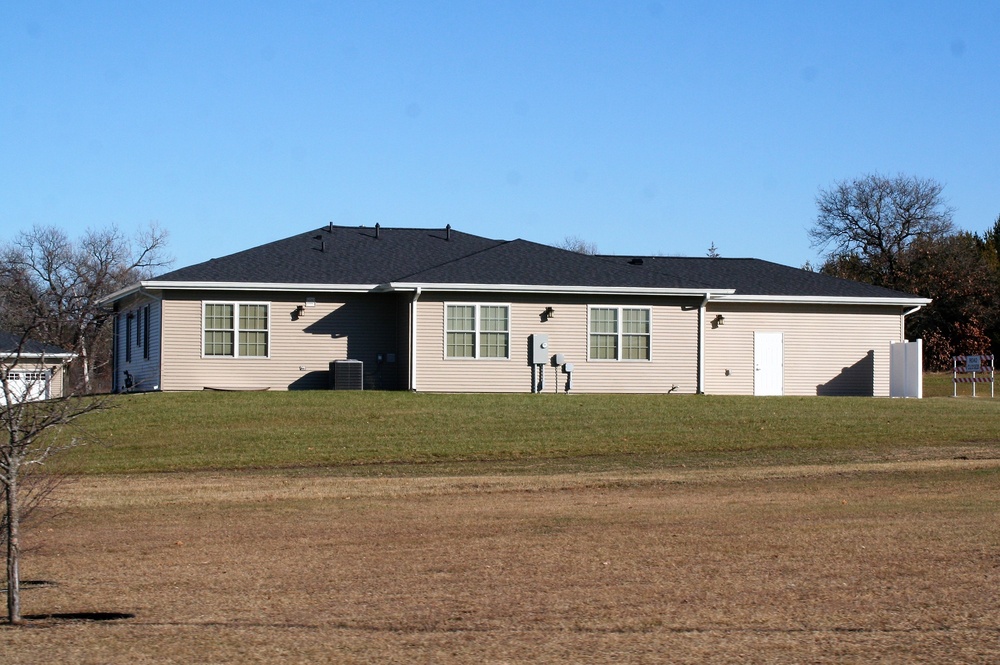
[{"x": 863, "y": 563}]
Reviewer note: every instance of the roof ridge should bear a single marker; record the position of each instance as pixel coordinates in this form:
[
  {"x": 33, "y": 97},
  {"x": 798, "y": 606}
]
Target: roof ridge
[
  {"x": 499, "y": 243},
  {"x": 686, "y": 258},
  {"x": 383, "y": 227}
]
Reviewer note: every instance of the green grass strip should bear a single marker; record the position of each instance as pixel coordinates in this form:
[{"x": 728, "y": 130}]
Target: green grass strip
[{"x": 215, "y": 430}]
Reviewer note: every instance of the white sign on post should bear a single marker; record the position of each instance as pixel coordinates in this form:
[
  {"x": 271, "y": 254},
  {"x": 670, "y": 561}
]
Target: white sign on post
[{"x": 973, "y": 363}]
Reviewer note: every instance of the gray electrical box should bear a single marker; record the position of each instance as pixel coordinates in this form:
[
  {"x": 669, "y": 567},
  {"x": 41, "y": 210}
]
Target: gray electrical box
[{"x": 539, "y": 350}]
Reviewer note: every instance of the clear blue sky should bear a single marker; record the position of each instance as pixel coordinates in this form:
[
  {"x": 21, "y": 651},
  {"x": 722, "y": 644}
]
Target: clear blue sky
[{"x": 644, "y": 127}]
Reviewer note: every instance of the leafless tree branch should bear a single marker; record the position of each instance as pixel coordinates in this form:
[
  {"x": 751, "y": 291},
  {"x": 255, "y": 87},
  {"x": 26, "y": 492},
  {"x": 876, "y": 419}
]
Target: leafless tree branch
[{"x": 875, "y": 218}]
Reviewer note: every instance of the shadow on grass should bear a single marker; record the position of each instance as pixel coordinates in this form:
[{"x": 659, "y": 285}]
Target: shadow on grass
[
  {"x": 67, "y": 616},
  {"x": 79, "y": 616},
  {"x": 33, "y": 584}
]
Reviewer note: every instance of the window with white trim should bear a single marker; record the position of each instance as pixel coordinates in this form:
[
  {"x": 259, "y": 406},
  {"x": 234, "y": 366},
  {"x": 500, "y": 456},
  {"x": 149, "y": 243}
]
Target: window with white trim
[
  {"x": 235, "y": 330},
  {"x": 477, "y": 331},
  {"x": 620, "y": 333}
]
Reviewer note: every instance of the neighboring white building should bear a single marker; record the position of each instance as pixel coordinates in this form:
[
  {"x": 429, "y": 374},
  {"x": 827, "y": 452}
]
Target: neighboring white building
[{"x": 31, "y": 371}]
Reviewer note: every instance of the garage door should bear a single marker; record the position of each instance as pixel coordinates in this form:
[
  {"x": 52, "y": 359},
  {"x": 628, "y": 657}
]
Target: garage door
[{"x": 28, "y": 386}]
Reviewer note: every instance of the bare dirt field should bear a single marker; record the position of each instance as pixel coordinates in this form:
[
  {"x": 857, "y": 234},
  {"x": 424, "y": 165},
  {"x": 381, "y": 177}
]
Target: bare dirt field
[{"x": 865, "y": 563}]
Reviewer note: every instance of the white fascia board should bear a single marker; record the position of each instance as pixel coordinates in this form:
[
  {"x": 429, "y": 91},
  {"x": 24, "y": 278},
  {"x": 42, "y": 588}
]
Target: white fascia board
[
  {"x": 235, "y": 286},
  {"x": 120, "y": 293},
  {"x": 256, "y": 286},
  {"x": 551, "y": 289},
  {"x": 64, "y": 357},
  {"x": 820, "y": 300}
]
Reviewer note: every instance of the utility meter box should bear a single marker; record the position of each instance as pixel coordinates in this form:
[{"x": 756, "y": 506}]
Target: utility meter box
[{"x": 539, "y": 349}]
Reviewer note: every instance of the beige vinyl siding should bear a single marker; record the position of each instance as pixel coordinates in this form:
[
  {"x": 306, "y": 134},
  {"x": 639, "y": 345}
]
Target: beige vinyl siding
[
  {"x": 57, "y": 387},
  {"x": 828, "y": 350},
  {"x": 673, "y": 353},
  {"x": 339, "y": 326}
]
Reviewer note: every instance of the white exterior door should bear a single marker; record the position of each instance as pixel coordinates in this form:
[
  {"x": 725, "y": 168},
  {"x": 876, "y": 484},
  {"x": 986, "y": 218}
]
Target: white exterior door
[{"x": 768, "y": 364}]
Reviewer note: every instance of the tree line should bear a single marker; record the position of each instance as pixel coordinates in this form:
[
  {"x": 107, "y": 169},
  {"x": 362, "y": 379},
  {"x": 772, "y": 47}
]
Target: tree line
[{"x": 899, "y": 233}]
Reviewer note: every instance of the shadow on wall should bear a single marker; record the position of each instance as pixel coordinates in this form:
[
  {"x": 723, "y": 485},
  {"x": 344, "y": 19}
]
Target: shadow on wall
[
  {"x": 311, "y": 381},
  {"x": 366, "y": 328},
  {"x": 856, "y": 380}
]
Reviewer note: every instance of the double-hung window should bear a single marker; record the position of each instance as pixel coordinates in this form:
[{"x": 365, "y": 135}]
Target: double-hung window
[
  {"x": 236, "y": 330},
  {"x": 477, "y": 331},
  {"x": 620, "y": 333}
]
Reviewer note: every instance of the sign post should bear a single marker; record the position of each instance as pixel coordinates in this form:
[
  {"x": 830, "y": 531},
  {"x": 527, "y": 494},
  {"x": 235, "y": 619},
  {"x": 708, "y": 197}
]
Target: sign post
[{"x": 972, "y": 365}]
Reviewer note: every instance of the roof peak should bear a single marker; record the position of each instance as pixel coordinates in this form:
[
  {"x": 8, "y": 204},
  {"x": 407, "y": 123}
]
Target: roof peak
[{"x": 447, "y": 228}]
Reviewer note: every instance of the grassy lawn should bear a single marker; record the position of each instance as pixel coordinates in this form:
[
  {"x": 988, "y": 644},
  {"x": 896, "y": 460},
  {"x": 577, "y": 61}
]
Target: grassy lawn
[
  {"x": 395, "y": 432},
  {"x": 940, "y": 384},
  {"x": 398, "y": 528}
]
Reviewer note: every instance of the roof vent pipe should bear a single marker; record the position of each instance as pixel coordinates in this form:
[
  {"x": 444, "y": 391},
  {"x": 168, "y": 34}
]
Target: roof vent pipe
[
  {"x": 329, "y": 229},
  {"x": 377, "y": 228},
  {"x": 447, "y": 232},
  {"x": 322, "y": 246}
]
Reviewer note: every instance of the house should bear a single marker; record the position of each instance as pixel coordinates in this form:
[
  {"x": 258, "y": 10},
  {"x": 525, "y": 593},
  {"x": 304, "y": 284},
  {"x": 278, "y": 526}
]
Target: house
[
  {"x": 33, "y": 371},
  {"x": 439, "y": 310}
]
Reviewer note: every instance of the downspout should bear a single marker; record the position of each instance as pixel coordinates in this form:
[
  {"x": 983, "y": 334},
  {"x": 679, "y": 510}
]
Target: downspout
[
  {"x": 902, "y": 338},
  {"x": 701, "y": 344},
  {"x": 413, "y": 339},
  {"x": 902, "y": 321}
]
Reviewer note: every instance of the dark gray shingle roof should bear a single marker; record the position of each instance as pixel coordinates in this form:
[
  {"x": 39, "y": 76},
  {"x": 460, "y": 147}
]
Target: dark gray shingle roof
[
  {"x": 757, "y": 277},
  {"x": 366, "y": 256},
  {"x": 338, "y": 255},
  {"x": 9, "y": 343},
  {"x": 522, "y": 262}
]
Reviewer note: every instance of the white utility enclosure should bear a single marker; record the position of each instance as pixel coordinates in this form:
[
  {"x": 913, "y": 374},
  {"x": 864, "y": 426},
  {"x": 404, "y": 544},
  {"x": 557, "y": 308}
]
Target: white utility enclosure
[
  {"x": 906, "y": 363},
  {"x": 768, "y": 363}
]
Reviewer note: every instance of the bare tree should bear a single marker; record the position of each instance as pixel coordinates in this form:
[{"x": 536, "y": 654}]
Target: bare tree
[
  {"x": 578, "y": 245},
  {"x": 55, "y": 284},
  {"x": 869, "y": 222},
  {"x": 33, "y": 431}
]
